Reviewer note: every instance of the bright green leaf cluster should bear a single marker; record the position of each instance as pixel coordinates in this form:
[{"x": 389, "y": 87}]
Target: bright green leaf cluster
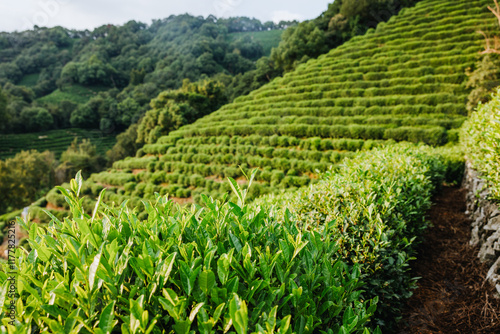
[
  {"x": 481, "y": 140},
  {"x": 220, "y": 267}
]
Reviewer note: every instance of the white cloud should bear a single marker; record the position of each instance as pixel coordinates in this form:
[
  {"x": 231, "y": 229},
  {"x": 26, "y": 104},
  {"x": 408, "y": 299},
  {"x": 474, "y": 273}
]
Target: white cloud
[{"x": 285, "y": 15}]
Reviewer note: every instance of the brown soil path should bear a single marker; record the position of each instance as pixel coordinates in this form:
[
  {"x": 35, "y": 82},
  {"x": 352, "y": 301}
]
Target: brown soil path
[{"x": 451, "y": 297}]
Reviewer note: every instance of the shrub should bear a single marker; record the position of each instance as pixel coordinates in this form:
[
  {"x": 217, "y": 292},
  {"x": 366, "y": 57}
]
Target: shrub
[
  {"x": 374, "y": 207},
  {"x": 157, "y": 177},
  {"x": 179, "y": 271},
  {"x": 481, "y": 143}
]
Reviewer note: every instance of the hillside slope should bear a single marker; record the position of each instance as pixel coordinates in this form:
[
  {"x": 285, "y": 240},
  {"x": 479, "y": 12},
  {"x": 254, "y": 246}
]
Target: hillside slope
[{"x": 405, "y": 81}]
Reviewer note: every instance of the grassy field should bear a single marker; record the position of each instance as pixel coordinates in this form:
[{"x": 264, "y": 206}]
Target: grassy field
[
  {"x": 268, "y": 39},
  {"x": 56, "y": 141},
  {"x": 75, "y": 93}
]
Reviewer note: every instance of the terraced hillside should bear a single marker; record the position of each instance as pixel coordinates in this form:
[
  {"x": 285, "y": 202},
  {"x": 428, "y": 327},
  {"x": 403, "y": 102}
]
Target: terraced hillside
[{"x": 404, "y": 81}]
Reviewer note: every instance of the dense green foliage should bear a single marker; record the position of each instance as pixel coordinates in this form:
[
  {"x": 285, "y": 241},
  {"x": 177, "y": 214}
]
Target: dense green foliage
[
  {"x": 172, "y": 109},
  {"x": 377, "y": 197},
  {"x": 481, "y": 140},
  {"x": 169, "y": 110},
  {"x": 30, "y": 174},
  {"x": 227, "y": 266},
  {"x": 25, "y": 178},
  {"x": 342, "y": 20},
  {"x": 80, "y": 156},
  {"x": 393, "y": 84},
  {"x": 268, "y": 39},
  {"x": 105, "y": 78},
  {"x": 483, "y": 79}
]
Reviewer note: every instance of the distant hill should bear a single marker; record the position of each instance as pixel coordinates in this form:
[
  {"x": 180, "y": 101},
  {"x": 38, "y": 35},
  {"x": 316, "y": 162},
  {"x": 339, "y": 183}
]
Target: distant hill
[
  {"x": 404, "y": 81},
  {"x": 46, "y": 67}
]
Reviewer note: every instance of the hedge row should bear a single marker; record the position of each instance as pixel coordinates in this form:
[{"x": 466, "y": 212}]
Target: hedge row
[
  {"x": 314, "y": 143},
  {"x": 447, "y": 122},
  {"x": 480, "y": 138}
]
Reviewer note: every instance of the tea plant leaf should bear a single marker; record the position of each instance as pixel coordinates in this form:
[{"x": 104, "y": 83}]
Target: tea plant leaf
[
  {"x": 169, "y": 303},
  {"x": 78, "y": 183},
  {"x": 236, "y": 190},
  {"x": 188, "y": 276},
  {"x": 206, "y": 281},
  {"x": 182, "y": 327},
  {"x": 223, "y": 268},
  {"x": 195, "y": 310},
  {"x": 97, "y": 204},
  {"x": 239, "y": 314},
  {"x": 52, "y": 217},
  {"x": 69, "y": 324},
  {"x": 33, "y": 231},
  {"x": 218, "y": 312},
  {"x": 165, "y": 269},
  {"x": 236, "y": 242},
  {"x": 63, "y": 191},
  {"x": 93, "y": 269},
  {"x": 271, "y": 320},
  {"x": 136, "y": 313},
  {"x": 43, "y": 253},
  {"x": 106, "y": 320},
  {"x": 285, "y": 325},
  {"x": 3, "y": 293}
]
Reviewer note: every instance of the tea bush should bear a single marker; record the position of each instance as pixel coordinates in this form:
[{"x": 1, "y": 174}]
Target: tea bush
[
  {"x": 481, "y": 140},
  {"x": 374, "y": 206},
  {"x": 214, "y": 268}
]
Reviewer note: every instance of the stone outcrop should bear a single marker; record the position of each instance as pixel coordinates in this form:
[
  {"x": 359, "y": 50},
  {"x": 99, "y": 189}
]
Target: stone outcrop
[{"x": 485, "y": 216}]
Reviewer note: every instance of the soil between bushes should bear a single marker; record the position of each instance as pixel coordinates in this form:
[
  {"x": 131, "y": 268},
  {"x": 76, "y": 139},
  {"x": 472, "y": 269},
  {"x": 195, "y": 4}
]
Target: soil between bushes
[{"x": 452, "y": 296}]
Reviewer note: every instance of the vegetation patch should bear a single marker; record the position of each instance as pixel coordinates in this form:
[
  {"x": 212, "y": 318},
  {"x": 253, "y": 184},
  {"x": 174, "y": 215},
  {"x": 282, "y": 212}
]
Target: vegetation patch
[
  {"x": 481, "y": 141},
  {"x": 390, "y": 85},
  {"x": 226, "y": 265},
  {"x": 56, "y": 141},
  {"x": 268, "y": 39}
]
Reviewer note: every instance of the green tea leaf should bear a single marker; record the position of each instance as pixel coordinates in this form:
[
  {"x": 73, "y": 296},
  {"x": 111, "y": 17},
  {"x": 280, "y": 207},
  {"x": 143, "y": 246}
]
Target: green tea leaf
[
  {"x": 106, "y": 320},
  {"x": 206, "y": 281},
  {"x": 93, "y": 269},
  {"x": 195, "y": 310}
]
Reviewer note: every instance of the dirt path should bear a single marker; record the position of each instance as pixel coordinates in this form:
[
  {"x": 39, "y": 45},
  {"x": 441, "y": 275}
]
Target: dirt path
[{"x": 451, "y": 297}]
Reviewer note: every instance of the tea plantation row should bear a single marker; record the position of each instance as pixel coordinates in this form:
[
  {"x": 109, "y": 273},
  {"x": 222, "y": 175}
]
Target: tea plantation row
[
  {"x": 481, "y": 140},
  {"x": 332, "y": 258}
]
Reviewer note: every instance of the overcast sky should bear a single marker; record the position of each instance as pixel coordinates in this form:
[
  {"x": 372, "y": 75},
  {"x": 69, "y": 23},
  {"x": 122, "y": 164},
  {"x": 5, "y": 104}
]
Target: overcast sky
[{"x": 88, "y": 14}]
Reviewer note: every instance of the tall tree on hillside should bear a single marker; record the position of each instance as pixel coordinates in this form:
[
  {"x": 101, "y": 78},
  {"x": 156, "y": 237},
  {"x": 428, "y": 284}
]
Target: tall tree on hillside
[
  {"x": 299, "y": 44},
  {"x": 81, "y": 156},
  {"x": 172, "y": 109},
  {"x": 342, "y": 20}
]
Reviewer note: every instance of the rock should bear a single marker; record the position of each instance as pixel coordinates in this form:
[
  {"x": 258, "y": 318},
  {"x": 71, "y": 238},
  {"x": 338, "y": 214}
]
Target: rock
[
  {"x": 485, "y": 223},
  {"x": 474, "y": 240},
  {"x": 492, "y": 275},
  {"x": 487, "y": 254},
  {"x": 493, "y": 224}
]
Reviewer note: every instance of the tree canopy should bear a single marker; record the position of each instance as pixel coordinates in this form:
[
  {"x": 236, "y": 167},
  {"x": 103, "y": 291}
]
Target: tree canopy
[{"x": 109, "y": 75}]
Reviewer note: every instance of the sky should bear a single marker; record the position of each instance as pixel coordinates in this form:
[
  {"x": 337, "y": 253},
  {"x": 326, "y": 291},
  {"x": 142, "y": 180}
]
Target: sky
[{"x": 88, "y": 14}]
